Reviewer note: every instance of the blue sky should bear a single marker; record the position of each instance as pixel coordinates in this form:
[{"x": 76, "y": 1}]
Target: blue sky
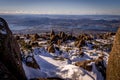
[{"x": 79, "y": 7}]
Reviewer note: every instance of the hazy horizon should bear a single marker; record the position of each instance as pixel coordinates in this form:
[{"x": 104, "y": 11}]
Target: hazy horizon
[{"x": 62, "y": 7}]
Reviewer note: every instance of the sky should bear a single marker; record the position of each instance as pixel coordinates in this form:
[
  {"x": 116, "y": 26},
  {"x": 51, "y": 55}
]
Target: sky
[{"x": 70, "y": 7}]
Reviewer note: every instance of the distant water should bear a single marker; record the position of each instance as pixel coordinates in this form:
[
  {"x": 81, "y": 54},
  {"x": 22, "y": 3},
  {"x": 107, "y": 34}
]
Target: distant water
[{"x": 44, "y": 22}]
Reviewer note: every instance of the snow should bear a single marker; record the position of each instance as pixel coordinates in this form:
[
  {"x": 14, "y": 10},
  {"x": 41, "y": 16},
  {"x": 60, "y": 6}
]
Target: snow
[
  {"x": 33, "y": 73},
  {"x": 51, "y": 67},
  {"x": 42, "y": 42},
  {"x": 104, "y": 41},
  {"x": 27, "y": 41},
  {"x": 48, "y": 64},
  {"x": 97, "y": 73},
  {"x": 71, "y": 71}
]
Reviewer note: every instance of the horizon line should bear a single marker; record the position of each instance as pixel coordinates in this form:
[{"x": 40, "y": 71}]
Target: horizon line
[{"x": 57, "y": 14}]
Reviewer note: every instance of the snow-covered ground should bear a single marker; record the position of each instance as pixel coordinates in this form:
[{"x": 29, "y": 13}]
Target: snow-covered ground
[
  {"x": 49, "y": 67},
  {"x": 63, "y": 65}
]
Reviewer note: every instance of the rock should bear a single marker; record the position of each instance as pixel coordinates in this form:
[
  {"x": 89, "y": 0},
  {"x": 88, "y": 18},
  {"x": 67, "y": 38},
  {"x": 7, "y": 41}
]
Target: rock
[
  {"x": 10, "y": 55},
  {"x": 84, "y": 64},
  {"x": 35, "y": 37},
  {"x": 59, "y": 42},
  {"x": 52, "y": 33},
  {"x": 17, "y": 37},
  {"x": 81, "y": 53},
  {"x": 31, "y": 62},
  {"x": 76, "y": 43},
  {"x": 28, "y": 36},
  {"x": 35, "y": 44},
  {"x": 62, "y": 34},
  {"x": 80, "y": 43},
  {"x": 113, "y": 68},
  {"x": 51, "y": 49},
  {"x": 99, "y": 63},
  {"x": 5, "y": 73},
  {"x": 71, "y": 37},
  {"x": 53, "y": 38}
]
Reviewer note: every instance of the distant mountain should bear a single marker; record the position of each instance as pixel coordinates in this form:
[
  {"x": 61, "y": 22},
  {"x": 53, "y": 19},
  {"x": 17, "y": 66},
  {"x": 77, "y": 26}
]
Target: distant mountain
[{"x": 66, "y": 22}]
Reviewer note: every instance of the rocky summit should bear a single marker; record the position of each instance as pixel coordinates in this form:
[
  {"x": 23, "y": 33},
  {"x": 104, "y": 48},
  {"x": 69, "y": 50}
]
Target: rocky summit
[{"x": 58, "y": 55}]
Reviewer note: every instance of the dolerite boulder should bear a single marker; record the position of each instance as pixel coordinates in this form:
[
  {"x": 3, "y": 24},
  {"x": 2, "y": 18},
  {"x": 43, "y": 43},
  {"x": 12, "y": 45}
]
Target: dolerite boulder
[
  {"x": 84, "y": 64},
  {"x": 10, "y": 60},
  {"x": 51, "y": 49},
  {"x": 35, "y": 37},
  {"x": 113, "y": 68},
  {"x": 31, "y": 62}
]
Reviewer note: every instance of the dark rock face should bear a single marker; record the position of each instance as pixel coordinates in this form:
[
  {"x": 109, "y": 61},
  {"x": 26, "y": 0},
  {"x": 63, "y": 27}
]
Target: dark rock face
[
  {"x": 113, "y": 68},
  {"x": 9, "y": 55},
  {"x": 5, "y": 74}
]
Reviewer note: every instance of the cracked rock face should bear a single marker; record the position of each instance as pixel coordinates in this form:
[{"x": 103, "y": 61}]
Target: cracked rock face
[
  {"x": 10, "y": 59},
  {"x": 113, "y": 68}
]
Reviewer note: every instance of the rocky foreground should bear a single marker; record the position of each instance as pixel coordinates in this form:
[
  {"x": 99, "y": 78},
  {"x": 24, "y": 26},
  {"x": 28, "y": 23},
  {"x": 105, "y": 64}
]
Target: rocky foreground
[
  {"x": 65, "y": 56},
  {"x": 58, "y": 56}
]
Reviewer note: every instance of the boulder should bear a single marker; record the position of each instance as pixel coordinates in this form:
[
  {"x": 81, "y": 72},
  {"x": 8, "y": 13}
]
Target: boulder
[
  {"x": 31, "y": 62},
  {"x": 113, "y": 68},
  {"x": 84, "y": 64},
  {"x": 28, "y": 36},
  {"x": 99, "y": 63},
  {"x": 35, "y": 37},
  {"x": 10, "y": 55},
  {"x": 52, "y": 33},
  {"x": 51, "y": 49}
]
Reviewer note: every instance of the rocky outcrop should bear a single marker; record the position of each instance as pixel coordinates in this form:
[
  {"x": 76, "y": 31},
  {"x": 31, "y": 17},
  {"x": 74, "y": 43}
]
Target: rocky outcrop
[
  {"x": 10, "y": 59},
  {"x": 113, "y": 68},
  {"x": 51, "y": 49},
  {"x": 5, "y": 73},
  {"x": 59, "y": 38}
]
